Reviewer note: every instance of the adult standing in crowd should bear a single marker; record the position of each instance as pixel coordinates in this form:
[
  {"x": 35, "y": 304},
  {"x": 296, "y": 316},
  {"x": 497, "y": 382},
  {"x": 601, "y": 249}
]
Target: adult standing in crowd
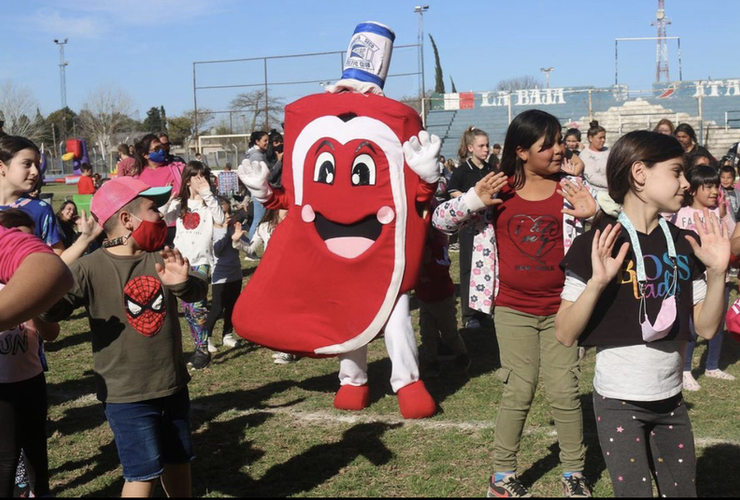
[
  {"x": 665, "y": 126},
  {"x": 473, "y": 152},
  {"x": 687, "y": 137},
  {"x": 152, "y": 168},
  {"x": 258, "y": 142},
  {"x": 164, "y": 139},
  {"x": 594, "y": 157},
  {"x": 274, "y": 155}
]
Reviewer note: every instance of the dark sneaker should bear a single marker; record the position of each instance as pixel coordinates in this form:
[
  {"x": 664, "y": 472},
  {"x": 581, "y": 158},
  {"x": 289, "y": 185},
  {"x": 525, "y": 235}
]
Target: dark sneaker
[
  {"x": 575, "y": 486},
  {"x": 200, "y": 358},
  {"x": 509, "y": 487},
  {"x": 462, "y": 362}
]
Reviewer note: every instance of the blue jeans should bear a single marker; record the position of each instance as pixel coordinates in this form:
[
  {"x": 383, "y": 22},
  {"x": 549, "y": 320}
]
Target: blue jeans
[
  {"x": 715, "y": 345},
  {"x": 150, "y": 434},
  {"x": 259, "y": 212}
]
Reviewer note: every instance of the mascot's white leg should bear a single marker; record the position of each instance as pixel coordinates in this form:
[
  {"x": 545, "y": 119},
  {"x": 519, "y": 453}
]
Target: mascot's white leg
[
  {"x": 353, "y": 367},
  {"x": 400, "y": 342}
]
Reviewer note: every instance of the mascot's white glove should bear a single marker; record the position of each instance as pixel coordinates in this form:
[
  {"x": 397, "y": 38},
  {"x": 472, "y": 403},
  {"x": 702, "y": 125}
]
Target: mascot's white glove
[
  {"x": 254, "y": 175},
  {"x": 422, "y": 156}
]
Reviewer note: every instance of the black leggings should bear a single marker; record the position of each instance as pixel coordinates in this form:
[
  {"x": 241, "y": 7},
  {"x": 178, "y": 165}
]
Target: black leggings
[
  {"x": 642, "y": 441},
  {"x": 224, "y": 299},
  {"x": 23, "y": 423}
]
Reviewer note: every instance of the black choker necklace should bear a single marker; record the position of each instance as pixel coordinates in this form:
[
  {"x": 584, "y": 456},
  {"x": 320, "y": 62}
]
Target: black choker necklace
[{"x": 121, "y": 240}]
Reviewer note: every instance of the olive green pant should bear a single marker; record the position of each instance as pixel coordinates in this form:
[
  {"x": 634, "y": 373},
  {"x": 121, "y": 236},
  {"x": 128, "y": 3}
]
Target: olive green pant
[{"x": 526, "y": 343}]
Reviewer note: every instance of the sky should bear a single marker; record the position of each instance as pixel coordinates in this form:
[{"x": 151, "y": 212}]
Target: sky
[{"x": 147, "y": 48}]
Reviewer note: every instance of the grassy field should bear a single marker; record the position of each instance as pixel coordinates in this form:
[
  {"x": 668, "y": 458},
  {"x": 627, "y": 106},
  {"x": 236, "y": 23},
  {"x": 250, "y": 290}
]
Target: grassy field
[{"x": 266, "y": 430}]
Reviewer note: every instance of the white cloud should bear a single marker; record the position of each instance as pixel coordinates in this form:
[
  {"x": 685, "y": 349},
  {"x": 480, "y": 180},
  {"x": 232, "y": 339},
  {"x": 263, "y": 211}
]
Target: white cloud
[
  {"x": 53, "y": 23},
  {"x": 93, "y": 19}
]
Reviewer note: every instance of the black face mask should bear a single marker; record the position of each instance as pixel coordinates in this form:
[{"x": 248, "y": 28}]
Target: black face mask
[{"x": 278, "y": 149}]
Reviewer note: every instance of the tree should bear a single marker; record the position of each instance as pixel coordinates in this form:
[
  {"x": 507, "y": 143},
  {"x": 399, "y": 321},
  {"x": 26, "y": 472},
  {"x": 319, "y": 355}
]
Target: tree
[
  {"x": 163, "y": 115},
  {"x": 518, "y": 83},
  {"x": 153, "y": 122},
  {"x": 17, "y": 106},
  {"x": 65, "y": 123},
  {"x": 452, "y": 84},
  {"x": 105, "y": 113},
  {"x": 439, "y": 82},
  {"x": 182, "y": 128},
  {"x": 263, "y": 113}
]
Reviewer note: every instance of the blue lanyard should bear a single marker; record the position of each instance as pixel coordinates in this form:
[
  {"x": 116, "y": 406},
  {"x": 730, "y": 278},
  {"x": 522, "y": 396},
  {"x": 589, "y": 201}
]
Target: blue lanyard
[{"x": 639, "y": 259}]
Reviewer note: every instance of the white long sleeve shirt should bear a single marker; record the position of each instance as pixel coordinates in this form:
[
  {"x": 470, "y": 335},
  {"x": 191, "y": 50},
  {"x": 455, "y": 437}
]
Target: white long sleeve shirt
[{"x": 194, "y": 236}]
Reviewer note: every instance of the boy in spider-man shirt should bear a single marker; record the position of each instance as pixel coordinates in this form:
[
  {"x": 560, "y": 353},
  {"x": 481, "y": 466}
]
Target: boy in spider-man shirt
[{"x": 129, "y": 291}]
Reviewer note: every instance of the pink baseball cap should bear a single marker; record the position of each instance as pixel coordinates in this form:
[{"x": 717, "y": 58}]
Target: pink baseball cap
[{"x": 116, "y": 193}]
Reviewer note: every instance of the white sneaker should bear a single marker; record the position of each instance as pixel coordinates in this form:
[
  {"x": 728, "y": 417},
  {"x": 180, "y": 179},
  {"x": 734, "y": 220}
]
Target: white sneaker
[
  {"x": 284, "y": 358},
  {"x": 211, "y": 346},
  {"x": 689, "y": 382},
  {"x": 718, "y": 374},
  {"x": 230, "y": 341}
]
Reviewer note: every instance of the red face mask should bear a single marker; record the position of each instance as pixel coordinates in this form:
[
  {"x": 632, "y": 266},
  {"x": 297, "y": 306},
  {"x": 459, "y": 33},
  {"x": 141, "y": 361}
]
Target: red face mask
[{"x": 150, "y": 236}]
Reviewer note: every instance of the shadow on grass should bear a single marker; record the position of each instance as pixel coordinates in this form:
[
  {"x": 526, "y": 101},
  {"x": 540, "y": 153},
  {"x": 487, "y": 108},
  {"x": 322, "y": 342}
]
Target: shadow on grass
[
  {"x": 299, "y": 474},
  {"x": 714, "y": 477},
  {"x": 103, "y": 463},
  {"x": 69, "y": 390},
  {"x": 595, "y": 464},
  {"x": 67, "y": 341},
  {"x": 226, "y": 455}
]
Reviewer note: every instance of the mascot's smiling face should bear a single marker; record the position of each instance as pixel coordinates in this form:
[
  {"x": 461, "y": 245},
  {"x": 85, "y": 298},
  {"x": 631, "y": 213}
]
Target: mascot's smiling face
[{"x": 348, "y": 182}]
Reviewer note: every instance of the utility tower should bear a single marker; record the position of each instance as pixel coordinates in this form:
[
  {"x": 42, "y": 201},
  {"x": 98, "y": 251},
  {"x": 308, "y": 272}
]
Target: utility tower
[
  {"x": 661, "y": 51},
  {"x": 62, "y": 70}
]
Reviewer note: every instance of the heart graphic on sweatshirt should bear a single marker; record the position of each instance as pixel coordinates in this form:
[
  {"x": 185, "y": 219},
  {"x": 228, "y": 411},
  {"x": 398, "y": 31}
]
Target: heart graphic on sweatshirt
[
  {"x": 191, "y": 220},
  {"x": 534, "y": 236}
]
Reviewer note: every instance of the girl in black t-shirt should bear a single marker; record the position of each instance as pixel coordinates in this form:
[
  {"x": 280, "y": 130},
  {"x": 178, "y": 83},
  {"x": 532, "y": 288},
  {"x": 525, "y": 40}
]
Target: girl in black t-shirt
[{"x": 631, "y": 294}]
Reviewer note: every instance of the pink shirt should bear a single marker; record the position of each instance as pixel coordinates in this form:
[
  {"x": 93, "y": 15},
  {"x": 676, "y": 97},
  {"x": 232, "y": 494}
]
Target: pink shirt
[
  {"x": 126, "y": 166},
  {"x": 166, "y": 175},
  {"x": 15, "y": 246}
]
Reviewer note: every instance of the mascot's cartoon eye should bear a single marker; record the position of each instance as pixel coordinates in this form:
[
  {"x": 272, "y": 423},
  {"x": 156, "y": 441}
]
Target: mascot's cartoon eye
[
  {"x": 157, "y": 306},
  {"x": 363, "y": 171},
  {"x": 134, "y": 308},
  {"x": 324, "y": 171}
]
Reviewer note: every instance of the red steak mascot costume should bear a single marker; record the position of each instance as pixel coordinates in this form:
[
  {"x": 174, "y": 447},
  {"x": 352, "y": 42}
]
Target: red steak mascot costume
[{"x": 359, "y": 173}]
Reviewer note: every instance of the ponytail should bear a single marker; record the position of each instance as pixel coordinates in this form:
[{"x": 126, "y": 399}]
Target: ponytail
[{"x": 468, "y": 138}]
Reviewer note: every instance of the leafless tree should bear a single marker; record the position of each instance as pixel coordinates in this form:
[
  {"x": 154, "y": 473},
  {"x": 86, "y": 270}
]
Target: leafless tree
[
  {"x": 104, "y": 113},
  {"x": 518, "y": 83},
  {"x": 18, "y": 108},
  {"x": 263, "y": 113}
]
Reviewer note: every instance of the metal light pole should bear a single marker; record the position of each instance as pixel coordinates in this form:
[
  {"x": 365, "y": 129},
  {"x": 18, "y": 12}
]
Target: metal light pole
[
  {"x": 62, "y": 70},
  {"x": 547, "y": 72},
  {"x": 421, "y": 9}
]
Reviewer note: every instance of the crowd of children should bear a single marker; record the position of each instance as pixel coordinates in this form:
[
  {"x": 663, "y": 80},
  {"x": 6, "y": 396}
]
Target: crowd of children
[{"x": 632, "y": 259}]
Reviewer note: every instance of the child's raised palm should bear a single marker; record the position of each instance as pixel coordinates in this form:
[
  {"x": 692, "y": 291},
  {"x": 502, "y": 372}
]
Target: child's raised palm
[
  {"x": 238, "y": 232},
  {"x": 714, "y": 251},
  {"x": 584, "y": 204},
  {"x": 604, "y": 266},
  {"x": 489, "y": 186},
  {"x": 88, "y": 227},
  {"x": 176, "y": 268}
]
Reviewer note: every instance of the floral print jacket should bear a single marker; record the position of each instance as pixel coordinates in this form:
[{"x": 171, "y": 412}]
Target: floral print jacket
[{"x": 468, "y": 209}]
